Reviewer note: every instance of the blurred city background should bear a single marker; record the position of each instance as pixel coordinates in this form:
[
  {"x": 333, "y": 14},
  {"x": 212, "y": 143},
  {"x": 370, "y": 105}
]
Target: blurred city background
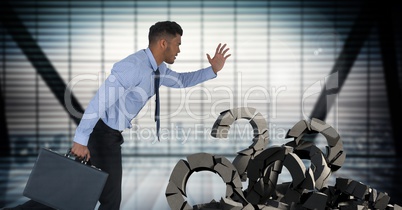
[{"x": 339, "y": 61}]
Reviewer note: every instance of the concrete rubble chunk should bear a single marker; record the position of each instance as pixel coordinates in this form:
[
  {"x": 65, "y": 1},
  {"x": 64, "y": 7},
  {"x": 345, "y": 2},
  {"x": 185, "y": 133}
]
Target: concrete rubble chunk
[
  {"x": 360, "y": 190},
  {"x": 172, "y": 189},
  {"x": 248, "y": 207},
  {"x": 318, "y": 125},
  {"x": 262, "y": 166},
  {"x": 338, "y": 162},
  {"x": 331, "y": 135},
  {"x": 258, "y": 145},
  {"x": 200, "y": 161},
  {"x": 239, "y": 193},
  {"x": 298, "y": 129},
  {"x": 296, "y": 168},
  {"x": 224, "y": 172},
  {"x": 253, "y": 170},
  {"x": 382, "y": 201},
  {"x": 342, "y": 184},
  {"x": 317, "y": 200},
  {"x": 175, "y": 201},
  {"x": 220, "y": 131},
  {"x": 180, "y": 175},
  {"x": 186, "y": 206},
  {"x": 229, "y": 190},
  {"x": 292, "y": 196},
  {"x": 277, "y": 204},
  {"x": 253, "y": 197},
  {"x": 259, "y": 124},
  {"x": 373, "y": 195},
  {"x": 213, "y": 205},
  {"x": 321, "y": 170},
  {"x": 309, "y": 182},
  {"x": 243, "y": 112},
  {"x": 397, "y": 207},
  {"x": 259, "y": 187},
  {"x": 241, "y": 163},
  {"x": 228, "y": 204},
  {"x": 224, "y": 161},
  {"x": 236, "y": 181},
  {"x": 226, "y": 118},
  {"x": 248, "y": 151}
]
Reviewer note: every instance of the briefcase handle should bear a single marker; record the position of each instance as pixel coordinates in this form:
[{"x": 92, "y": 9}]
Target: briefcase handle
[{"x": 83, "y": 160}]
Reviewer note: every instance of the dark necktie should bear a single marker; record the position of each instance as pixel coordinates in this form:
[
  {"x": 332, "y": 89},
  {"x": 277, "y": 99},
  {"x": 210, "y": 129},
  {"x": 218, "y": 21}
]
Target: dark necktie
[{"x": 156, "y": 87}]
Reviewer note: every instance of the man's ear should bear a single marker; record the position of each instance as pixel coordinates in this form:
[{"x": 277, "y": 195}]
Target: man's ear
[{"x": 163, "y": 43}]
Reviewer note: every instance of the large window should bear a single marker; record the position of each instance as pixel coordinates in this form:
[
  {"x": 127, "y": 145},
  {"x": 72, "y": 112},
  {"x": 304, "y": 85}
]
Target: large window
[{"x": 282, "y": 54}]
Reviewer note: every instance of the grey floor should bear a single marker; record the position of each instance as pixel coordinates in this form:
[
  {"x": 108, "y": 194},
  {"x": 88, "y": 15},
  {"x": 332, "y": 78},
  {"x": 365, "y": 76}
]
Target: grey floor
[{"x": 145, "y": 180}]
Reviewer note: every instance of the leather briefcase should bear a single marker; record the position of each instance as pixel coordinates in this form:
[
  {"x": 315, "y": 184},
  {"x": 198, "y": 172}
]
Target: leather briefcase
[{"x": 62, "y": 183}]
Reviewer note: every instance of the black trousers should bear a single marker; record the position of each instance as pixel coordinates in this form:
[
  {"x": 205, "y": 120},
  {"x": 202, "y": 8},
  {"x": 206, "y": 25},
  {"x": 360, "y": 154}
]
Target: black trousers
[{"x": 105, "y": 147}]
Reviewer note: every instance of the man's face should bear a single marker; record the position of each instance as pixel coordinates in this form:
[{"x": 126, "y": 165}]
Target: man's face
[{"x": 173, "y": 48}]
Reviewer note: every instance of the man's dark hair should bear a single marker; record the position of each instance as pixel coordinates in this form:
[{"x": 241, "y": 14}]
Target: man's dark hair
[{"x": 164, "y": 28}]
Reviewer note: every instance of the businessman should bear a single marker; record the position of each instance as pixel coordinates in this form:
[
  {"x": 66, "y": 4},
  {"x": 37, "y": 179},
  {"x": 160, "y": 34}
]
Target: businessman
[{"x": 133, "y": 81}]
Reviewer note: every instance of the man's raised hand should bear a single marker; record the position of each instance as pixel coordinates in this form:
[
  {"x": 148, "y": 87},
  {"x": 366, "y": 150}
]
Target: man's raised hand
[{"x": 219, "y": 59}]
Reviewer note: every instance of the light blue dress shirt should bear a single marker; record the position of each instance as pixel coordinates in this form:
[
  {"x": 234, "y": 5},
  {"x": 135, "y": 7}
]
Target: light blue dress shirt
[{"x": 126, "y": 90}]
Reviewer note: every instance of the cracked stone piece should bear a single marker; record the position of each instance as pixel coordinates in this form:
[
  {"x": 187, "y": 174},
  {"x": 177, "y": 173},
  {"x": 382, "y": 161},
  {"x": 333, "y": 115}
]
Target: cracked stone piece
[
  {"x": 253, "y": 170},
  {"x": 271, "y": 154},
  {"x": 241, "y": 163},
  {"x": 292, "y": 196},
  {"x": 396, "y": 207},
  {"x": 248, "y": 207},
  {"x": 224, "y": 172},
  {"x": 229, "y": 190},
  {"x": 229, "y": 204},
  {"x": 318, "y": 125},
  {"x": 373, "y": 195},
  {"x": 308, "y": 182},
  {"x": 224, "y": 161},
  {"x": 331, "y": 135},
  {"x": 213, "y": 205},
  {"x": 360, "y": 190},
  {"x": 180, "y": 175},
  {"x": 281, "y": 189},
  {"x": 236, "y": 180},
  {"x": 277, "y": 204},
  {"x": 320, "y": 169},
  {"x": 296, "y": 168},
  {"x": 172, "y": 189},
  {"x": 243, "y": 112},
  {"x": 175, "y": 201},
  {"x": 317, "y": 200},
  {"x": 220, "y": 131},
  {"x": 382, "y": 201},
  {"x": 342, "y": 184},
  {"x": 186, "y": 206},
  {"x": 351, "y": 187},
  {"x": 248, "y": 151},
  {"x": 338, "y": 162},
  {"x": 259, "y": 124},
  {"x": 298, "y": 129},
  {"x": 258, "y": 145},
  {"x": 225, "y": 118},
  {"x": 200, "y": 161},
  {"x": 303, "y": 149},
  {"x": 239, "y": 193},
  {"x": 277, "y": 166},
  {"x": 259, "y": 187},
  {"x": 253, "y": 197}
]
